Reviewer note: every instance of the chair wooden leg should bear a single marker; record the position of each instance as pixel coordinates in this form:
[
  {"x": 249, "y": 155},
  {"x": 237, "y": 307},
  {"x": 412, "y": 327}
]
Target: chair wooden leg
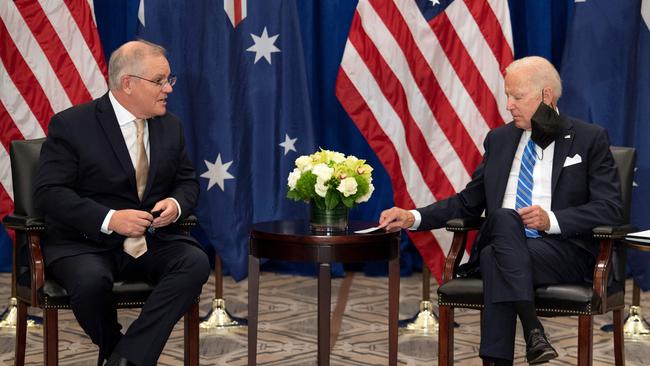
[
  {"x": 445, "y": 336},
  {"x": 585, "y": 340},
  {"x": 51, "y": 335},
  {"x": 21, "y": 334},
  {"x": 619, "y": 345},
  {"x": 191, "y": 330}
]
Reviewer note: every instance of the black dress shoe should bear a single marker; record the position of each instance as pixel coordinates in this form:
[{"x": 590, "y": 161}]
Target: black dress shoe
[
  {"x": 538, "y": 348},
  {"x": 117, "y": 360}
]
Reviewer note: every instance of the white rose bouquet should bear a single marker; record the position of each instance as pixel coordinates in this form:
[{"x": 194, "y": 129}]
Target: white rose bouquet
[{"x": 330, "y": 178}]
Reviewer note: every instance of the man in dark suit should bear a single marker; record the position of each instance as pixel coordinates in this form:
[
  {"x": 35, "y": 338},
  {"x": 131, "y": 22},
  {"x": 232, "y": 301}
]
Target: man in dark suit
[
  {"x": 105, "y": 167},
  {"x": 545, "y": 181}
]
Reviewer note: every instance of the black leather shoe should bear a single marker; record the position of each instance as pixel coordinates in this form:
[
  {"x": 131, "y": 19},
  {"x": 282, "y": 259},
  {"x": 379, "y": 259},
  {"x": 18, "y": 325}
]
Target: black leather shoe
[
  {"x": 117, "y": 360},
  {"x": 538, "y": 348}
]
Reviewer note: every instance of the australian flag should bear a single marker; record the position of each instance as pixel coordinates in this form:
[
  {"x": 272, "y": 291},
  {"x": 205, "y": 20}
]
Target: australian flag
[
  {"x": 242, "y": 94},
  {"x": 606, "y": 76}
]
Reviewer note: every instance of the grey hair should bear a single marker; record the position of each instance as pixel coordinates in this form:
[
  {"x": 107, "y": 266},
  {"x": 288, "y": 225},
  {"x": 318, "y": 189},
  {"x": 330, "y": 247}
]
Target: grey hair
[
  {"x": 127, "y": 60},
  {"x": 540, "y": 72}
]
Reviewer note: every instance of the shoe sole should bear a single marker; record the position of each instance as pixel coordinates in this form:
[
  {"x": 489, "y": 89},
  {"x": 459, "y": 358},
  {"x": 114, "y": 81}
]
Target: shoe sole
[{"x": 543, "y": 357}]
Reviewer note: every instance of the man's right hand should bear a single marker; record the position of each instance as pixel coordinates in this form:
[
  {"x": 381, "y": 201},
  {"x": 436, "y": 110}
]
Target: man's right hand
[
  {"x": 130, "y": 223},
  {"x": 396, "y": 217}
]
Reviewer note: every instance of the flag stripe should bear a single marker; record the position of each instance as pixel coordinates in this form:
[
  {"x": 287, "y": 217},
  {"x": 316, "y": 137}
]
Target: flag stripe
[
  {"x": 446, "y": 119},
  {"x": 24, "y": 80},
  {"x": 18, "y": 111},
  {"x": 386, "y": 151},
  {"x": 491, "y": 29},
  {"x": 8, "y": 130},
  {"x": 466, "y": 70},
  {"x": 82, "y": 43},
  {"x": 54, "y": 50},
  {"x": 435, "y": 179}
]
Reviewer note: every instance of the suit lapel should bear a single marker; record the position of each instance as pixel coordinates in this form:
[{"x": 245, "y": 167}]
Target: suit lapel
[
  {"x": 562, "y": 147},
  {"x": 108, "y": 122},
  {"x": 505, "y": 153}
]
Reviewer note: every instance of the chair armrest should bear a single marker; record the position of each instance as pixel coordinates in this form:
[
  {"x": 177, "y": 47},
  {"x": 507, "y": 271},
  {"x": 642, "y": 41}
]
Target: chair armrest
[
  {"x": 464, "y": 224},
  {"x": 188, "y": 224},
  {"x": 460, "y": 227},
  {"x": 613, "y": 232},
  {"x": 25, "y": 223}
]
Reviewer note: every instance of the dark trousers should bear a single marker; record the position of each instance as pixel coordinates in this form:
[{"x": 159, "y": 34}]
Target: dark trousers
[
  {"x": 511, "y": 266},
  {"x": 177, "y": 269}
]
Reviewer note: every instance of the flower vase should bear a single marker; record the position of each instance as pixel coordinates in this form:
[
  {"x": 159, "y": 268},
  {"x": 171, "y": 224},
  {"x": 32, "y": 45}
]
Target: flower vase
[{"x": 328, "y": 221}]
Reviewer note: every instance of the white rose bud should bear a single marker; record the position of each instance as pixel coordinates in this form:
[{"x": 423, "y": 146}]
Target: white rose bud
[
  {"x": 293, "y": 178},
  {"x": 323, "y": 172},
  {"x": 348, "y": 187},
  {"x": 321, "y": 188},
  {"x": 304, "y": 163}
]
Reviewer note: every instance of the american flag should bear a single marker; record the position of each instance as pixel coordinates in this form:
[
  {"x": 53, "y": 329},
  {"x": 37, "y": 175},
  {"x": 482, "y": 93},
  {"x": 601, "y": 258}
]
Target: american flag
[
  {"x": 423, "y": 82},
  {"x": 51, "y": 59}
]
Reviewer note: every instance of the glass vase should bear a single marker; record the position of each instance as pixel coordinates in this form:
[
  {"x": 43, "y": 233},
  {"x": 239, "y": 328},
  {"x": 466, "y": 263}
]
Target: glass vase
[{"x": 328, "y": 221}]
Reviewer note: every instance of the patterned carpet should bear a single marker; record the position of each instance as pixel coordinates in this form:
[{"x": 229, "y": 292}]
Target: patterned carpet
[{"x": 287, "y": 329}]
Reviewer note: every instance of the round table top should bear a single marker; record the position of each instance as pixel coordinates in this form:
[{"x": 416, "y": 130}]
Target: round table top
[
  {"x": 639, "y": 245},
  {"x": 293, "y": 240}
]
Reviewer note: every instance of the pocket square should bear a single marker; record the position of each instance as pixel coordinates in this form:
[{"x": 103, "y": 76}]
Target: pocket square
[{"x": 576, "y": 159}]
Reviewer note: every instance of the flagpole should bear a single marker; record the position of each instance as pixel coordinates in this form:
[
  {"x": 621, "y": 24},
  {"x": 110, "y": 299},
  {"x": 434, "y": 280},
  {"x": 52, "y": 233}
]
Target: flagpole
[{"x": 219, "y": 317}]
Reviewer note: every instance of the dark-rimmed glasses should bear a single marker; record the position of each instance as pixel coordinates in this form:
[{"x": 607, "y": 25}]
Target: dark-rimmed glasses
[{"x": 171, "y": 80}]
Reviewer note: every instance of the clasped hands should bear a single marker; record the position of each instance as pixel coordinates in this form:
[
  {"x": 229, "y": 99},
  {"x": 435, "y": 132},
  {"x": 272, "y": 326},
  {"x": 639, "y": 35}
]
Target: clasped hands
[
  {"x": 132, "y": 223},
  {"x": 534, "y": 217}
]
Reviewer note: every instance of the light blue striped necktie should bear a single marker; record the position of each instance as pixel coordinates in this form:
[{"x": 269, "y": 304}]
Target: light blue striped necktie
[{"x": 525, "y": 183}]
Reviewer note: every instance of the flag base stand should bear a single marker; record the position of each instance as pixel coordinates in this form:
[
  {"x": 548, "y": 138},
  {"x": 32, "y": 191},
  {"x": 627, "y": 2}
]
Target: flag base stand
[
  {"x": 219, "y": 317},
  {"x": 9, "y": 317},
  {"x": 635, "y": 327},
  {"x": 425, "y": 321}
]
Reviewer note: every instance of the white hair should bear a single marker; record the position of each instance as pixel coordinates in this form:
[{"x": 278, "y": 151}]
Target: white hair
[
  {"x": 127, "y": 60},
  {"x": 540, "y": 73}
]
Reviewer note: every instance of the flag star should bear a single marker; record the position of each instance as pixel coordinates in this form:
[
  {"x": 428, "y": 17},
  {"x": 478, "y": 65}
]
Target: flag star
[
  {"x": 435, "y": 2},
  {"x": 217, "y": 172},
  {"x": 264, "y": 46},
  {"x": 289, "y": 144}
]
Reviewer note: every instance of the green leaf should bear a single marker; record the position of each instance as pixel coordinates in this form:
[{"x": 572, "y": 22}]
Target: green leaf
[
  {"x": 332, "y": 199},
  {"x": 348, "y": 201}
]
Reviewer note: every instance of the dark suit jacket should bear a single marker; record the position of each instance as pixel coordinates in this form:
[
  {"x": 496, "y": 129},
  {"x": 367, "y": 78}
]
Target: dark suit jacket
[
  {"x": 85, "y": 170},
  {"x": 584, "y": 195}
]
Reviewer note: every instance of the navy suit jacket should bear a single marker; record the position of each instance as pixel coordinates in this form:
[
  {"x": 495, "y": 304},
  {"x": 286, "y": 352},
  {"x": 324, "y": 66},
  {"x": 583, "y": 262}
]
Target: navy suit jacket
[
  {"x": 584, "y": 195},
  {"x": 85, "y": 170}
]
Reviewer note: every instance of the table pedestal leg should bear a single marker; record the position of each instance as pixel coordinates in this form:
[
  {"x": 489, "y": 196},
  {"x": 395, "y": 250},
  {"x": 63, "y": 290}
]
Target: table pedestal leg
[
  {"x": 324, "y": 299},
  {"x": 393, "y": 309},
  {"x": 253, "y": 296}
]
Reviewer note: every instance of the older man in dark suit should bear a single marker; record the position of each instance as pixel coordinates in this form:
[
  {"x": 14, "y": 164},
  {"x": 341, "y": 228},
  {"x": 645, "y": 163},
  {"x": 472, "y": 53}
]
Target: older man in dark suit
[
  {"x": 113, "y": 179},
  {"x": 545, "y": 181}
]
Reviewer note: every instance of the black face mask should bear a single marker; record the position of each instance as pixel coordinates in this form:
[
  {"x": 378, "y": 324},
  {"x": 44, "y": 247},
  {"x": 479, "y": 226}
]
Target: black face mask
[{"x": 545, "y": 125}]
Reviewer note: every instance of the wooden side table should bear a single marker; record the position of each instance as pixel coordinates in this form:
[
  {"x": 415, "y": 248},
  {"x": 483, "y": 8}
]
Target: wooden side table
[{"x": 293, "y": 241}]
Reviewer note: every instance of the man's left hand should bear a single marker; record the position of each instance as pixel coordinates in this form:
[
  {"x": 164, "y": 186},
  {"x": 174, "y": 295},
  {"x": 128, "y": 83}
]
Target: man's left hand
[
  {"x": 168, "y": 213},
  {"x": 534, "y": 217}
]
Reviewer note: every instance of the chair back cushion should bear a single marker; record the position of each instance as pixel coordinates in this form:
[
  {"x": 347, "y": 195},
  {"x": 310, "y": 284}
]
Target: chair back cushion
[
  {"x": 625, "y": 158},
  {"x": 24, "y": 155}
]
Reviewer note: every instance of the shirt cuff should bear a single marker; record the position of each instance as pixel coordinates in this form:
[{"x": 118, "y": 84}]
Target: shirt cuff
[
  {"x": 555, "y": 226},
  {"x": 107, "y": 220},
  {"x": 178, "y": 207},
  {"x": 418, "y": 219}
]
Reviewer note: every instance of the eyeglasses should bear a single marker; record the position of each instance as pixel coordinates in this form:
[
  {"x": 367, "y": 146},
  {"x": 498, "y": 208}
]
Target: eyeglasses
[{"x": 171, "y": 80}]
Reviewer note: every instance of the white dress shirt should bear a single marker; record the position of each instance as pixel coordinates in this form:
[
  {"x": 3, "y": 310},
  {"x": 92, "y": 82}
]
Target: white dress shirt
[{"x": 542, "y": 183}]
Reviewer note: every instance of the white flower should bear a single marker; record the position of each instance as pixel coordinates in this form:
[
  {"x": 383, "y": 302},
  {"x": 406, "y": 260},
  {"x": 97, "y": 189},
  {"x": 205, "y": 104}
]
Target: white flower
[
  {"x": 293, "y": 178},
  {"x": 323, "y": 172},
  {"x": 336, "y": 157},
  {"x": 320, "y": 188},
  {"x": 304, "y": 163},
  {"x": 366, "y": 197},
  {"x": 348, "y": 187}
]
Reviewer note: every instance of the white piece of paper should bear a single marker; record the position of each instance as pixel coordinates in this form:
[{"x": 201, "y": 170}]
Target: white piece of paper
[
  {"x": 368, "y": 230},
  {"x": 639, "y": 236}
]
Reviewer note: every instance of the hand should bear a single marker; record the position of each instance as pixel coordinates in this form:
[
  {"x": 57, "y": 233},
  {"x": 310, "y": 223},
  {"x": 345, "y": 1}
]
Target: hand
[
  {"x": 534, "y": 217},
  {"x": 168, "y": 212},
  {"x": 396, "y": 217},
  {"x": 130, "y": 223}
]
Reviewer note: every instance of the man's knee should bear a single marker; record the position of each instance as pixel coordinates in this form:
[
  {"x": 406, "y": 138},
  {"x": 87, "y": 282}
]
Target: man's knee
[
  {"x": 196, "y": 264},
  {"x": 505, "y": 218},
  {"x": 90, "y": 286}
]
